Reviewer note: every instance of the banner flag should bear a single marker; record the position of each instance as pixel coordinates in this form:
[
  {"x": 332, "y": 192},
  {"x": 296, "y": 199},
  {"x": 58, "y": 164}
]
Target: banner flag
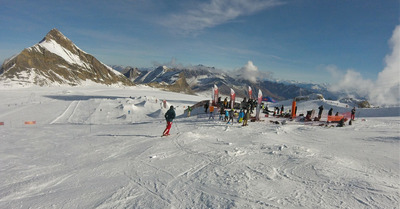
[
  {"x": 259, "y": 104},
  {"x": 250, "y": 93},
  {"x": 232, "y": 98},
  {"x": 215, "y": 92},
  {"x": 212, "y": 95}
]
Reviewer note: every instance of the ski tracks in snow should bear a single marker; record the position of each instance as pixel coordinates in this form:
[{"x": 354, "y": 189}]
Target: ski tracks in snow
[{"x": 66, "y": 116}]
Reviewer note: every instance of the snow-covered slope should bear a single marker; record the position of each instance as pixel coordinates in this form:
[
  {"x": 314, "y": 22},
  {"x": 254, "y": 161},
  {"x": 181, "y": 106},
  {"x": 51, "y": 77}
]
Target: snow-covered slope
[{"x": 97, "y": 147}]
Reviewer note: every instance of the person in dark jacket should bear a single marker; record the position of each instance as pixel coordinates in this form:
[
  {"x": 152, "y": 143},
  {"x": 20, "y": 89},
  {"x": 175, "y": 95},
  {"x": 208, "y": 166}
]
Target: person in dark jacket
[
  {"x": 330, "y": 112},
  {"x": 276, "y": 111},
  {"x": 221, "y": 113},
  {"x": 206, "y": 106},
  {"x": 226, "y": 102},
  {"x": 353, "y": 113},
  {"x": 231, "y": 114},
  {"x": 321, "y": 108},
  {"x": 341, "y": 123},
  {"x": 169, "y": 116}
]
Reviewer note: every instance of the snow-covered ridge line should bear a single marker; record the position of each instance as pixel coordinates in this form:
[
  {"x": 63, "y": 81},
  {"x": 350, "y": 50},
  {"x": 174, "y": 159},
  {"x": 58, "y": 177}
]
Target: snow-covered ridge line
[{"x": 64, "y": 53}]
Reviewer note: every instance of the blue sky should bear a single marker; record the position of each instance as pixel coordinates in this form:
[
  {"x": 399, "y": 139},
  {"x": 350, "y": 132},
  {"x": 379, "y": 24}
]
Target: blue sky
[{"x": 299, "y": 40}]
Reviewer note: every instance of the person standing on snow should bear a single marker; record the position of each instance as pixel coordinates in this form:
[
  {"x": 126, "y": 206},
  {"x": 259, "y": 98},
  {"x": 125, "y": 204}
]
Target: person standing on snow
[
  {"x": 226, "y": 102},
  {"x": 189, "y": 110},
  {"x": 221, "y": 113},
  {"x": 246, "y": 117},
  {"x": 169, "y": 116},
  {"x": 330, "y": 111},
  {"x": 231, "y": 114},
  {"x": 211, "y": 113},
  {"x": 206, "y": 106},
  {"x": 353, "y": 113},
  {"x": 226, "y": 115},
  {"x": 241, "y": 115},
  {"x": 321, "y": 108}
]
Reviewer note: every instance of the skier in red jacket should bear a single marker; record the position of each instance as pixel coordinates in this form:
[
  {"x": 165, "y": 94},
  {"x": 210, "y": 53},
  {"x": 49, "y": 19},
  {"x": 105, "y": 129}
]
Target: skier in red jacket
[{"x": 169, "y": 116}]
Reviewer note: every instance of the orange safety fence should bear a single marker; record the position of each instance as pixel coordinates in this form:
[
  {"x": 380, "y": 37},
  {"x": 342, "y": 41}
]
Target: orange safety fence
[
  {"x": 30, "y": 122},
  {"x": 335, "y": 118}
]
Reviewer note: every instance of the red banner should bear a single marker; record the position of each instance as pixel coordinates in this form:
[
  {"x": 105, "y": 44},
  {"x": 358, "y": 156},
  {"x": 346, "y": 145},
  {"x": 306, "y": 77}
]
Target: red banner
[
  {"x": 250, "y": 93},
  {"x": 233, "y": 95},
  {"x": 259, "y": 104},
  {"x": 259, "y": 97},
  {"x": 215, "y": 94}
]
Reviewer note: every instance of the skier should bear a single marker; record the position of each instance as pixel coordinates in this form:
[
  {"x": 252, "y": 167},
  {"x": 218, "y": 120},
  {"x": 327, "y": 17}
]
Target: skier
[
  {"x": 169, "y": 116},
  {"x": 189, "y": 110},
  {"x": 221, "y": 113},
  {"x": 226, "y": 115},
  {"x": 353, "y": 113},
  {"x": 282, "y": 109},
  {"x": 241, "y": 115},
  {"x": 246, "y": 117},
  {"x": 321, "y": 108},
  {"x": 243, "y": 104},
  {"x": 211, "y": 113},
  {"x": 252, "y": 105},
  {"x": 231, "y": 113}
]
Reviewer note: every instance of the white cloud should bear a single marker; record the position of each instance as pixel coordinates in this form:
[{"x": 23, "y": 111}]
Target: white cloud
[
  {"x": 351, "y": 81},
  {"x": 386, "y": 89},
  {"x": 251, "y": 73},
  {"x": 215, "y": 12}
]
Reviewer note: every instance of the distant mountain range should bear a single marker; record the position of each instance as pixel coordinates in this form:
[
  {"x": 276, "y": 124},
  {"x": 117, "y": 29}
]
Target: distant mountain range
[
  {"x": 201, "y": 79},
  {"x": 56, "y": 60}
]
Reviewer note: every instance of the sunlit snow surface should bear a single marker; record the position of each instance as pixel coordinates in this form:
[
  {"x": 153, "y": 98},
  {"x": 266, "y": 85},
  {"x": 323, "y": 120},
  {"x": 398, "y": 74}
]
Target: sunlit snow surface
[{"x": 98, "y": 147}]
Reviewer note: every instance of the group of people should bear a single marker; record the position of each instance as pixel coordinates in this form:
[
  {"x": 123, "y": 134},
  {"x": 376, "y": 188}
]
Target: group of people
[
  {"x": 330, "y": 113},
  {"x": 228, "y": 114},
  {"x": 276, "y": 111}
]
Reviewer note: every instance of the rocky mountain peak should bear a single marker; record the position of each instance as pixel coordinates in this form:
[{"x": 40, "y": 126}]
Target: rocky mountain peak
[
  {"x": 56, "y": 36},
  {"x": 57, "y": 60}
]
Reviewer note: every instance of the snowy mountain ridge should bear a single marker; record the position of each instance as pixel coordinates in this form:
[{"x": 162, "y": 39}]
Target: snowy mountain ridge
[
  {"x": 56, "y": 60},
  {"x": 202, "y": 79}
]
